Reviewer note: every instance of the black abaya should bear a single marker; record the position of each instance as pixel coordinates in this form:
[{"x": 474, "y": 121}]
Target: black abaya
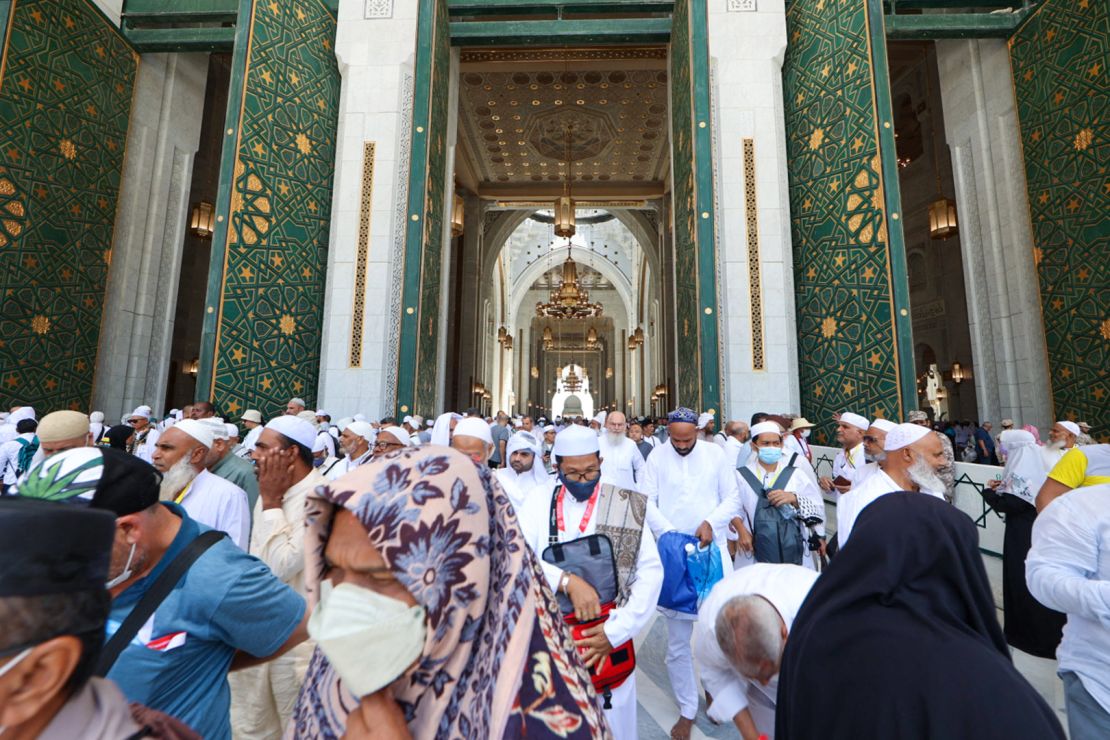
[
  {"x": 1030, "y": 625},
  {"x": 899, "y": 639}
]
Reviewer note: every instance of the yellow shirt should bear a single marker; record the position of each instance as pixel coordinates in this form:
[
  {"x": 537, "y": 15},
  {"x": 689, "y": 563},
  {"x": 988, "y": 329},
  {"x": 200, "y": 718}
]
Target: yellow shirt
[{"x": 1088, "y": 465}]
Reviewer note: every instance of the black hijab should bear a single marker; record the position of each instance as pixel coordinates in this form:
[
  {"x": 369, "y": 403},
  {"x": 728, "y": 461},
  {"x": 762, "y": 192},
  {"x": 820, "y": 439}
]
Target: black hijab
[
  {"x": 898, "y": 639},
  {"x": 118, "y": 435}
]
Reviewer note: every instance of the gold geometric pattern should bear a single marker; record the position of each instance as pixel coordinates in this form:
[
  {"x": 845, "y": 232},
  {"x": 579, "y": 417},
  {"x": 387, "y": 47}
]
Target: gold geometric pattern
[
  {"x": 358, "y": 310},
  {"x": 755, "y": 280}
]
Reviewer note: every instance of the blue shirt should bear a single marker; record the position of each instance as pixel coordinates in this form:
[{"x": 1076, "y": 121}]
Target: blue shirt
[{"x": 227, "y": 601}]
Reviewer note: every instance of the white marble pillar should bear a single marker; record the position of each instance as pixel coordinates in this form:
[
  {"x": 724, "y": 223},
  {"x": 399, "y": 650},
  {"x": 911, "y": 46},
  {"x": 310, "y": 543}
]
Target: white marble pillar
[
  {"x": 746, "y": 50},
  {"x": 1009, "y": 358},
  {"x": 162, "y": 139},
  {"x": 375, "y": 47}
]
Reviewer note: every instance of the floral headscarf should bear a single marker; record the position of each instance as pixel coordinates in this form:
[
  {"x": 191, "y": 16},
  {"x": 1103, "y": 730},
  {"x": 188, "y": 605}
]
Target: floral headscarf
[{"x": 496, "y": 662}]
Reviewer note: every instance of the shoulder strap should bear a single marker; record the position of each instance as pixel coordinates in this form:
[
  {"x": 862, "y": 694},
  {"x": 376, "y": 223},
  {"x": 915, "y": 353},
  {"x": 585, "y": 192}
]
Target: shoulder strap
[
  {"x": 154, "y": 596},
  {"x": 751, "y": 480},
  {"x": 553, "y": 523}
]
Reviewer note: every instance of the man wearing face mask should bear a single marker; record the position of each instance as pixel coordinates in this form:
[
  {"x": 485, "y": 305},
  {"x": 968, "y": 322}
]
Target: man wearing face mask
[
  {"x": 473, "y": 438},
  {"x": 777, "y": 500},
  {"x": 691, "y": 488},
  {"x": 914, "y": 457},
  {"x": 53, "y": 605},
  {"x": 226, "y": 611},
  {"x": 583, "y": 506},
  {"x": 262, "y": 697}
]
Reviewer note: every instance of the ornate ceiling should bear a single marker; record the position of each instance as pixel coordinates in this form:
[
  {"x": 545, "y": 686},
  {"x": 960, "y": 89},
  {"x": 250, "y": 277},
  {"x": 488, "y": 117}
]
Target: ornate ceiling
[{"x": 515, "y": 114}]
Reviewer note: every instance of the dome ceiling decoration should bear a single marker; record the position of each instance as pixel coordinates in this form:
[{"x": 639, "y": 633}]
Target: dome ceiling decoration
[{"x": 515, "y": 119}]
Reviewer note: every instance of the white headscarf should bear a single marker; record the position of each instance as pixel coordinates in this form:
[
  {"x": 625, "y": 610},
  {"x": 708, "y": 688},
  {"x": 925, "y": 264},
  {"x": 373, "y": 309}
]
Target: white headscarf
[
  {"x": 441, "y": 430},
  {"x": 526, "y": 441},
  {"x": 1025, "y": 471}
]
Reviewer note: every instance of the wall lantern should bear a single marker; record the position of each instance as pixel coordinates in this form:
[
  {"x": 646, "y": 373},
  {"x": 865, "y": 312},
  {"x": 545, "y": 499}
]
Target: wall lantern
[
  {"x": 942, "y": 219},
  {"x": 193, "y": 367},
  {"x": 458, "y": 216},
  {"x": 959, "y": 372},
  {"x": 203, "y": 220}
]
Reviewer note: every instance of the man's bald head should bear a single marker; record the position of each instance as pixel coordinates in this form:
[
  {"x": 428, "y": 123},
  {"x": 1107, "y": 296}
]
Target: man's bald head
[
  {"x": 752, "y": 635},
  {"x": 616, "y": 422}
]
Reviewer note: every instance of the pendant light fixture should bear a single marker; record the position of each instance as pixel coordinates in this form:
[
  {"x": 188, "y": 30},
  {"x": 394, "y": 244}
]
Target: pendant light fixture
[
  {"x": 564, "y": 205},
  {"x": 942, "y": 211}
]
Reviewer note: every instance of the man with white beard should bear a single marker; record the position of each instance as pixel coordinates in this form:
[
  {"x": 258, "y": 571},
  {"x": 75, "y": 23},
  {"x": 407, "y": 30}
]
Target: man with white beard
[
  {"x": 357, "y": 443},
  {"x": 1061, "y": 438},
  {"x": 914, "y": 456},
  {"x": 525, "y": 474},
  {"x": 690, "y": 488},
  {"x": 179, "y": 456},
  {"x": 874, "y": 439},
  {"x": 621, "y": 461}
]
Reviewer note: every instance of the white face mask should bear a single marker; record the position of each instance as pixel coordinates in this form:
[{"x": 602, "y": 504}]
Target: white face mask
[
  {"x": 805, "y": 434},
  {"x": 126, "y": 570},
  {"x": 369, "y": 639}
]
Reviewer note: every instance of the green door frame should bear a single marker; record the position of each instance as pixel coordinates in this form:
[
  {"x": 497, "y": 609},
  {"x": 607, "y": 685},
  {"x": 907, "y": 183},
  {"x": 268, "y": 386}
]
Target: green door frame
[{"x": 608, "y": 32}]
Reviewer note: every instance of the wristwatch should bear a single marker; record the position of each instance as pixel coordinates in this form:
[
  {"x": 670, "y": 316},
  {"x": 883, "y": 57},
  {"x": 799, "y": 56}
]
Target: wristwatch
[{"x": 563, "y": 582}]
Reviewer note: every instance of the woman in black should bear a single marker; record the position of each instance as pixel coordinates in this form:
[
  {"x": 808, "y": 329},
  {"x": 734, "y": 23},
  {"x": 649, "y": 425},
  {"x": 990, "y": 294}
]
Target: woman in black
[{"x": 899, "y": 639}]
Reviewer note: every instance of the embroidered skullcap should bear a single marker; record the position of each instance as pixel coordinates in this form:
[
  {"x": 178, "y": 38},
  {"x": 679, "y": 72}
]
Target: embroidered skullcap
[
  {"x": 682, "y": 415},
  {"x": 61, "y": 425},
  {"x": 474, "y": 426},
  {"x": 766, "y": 427},
  {"x": 884, "y": 425},
  {"x": 917, "y": 415},
  {"x": 855, "y": 420},
  {"x": 904, "y": 435},
  {"x": 298, "y": 430},
  {"x": 1071, "y": 426},
  {"x": 573, "y": 441}
]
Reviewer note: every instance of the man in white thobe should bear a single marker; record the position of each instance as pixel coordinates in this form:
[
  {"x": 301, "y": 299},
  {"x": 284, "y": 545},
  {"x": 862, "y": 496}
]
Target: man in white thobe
[
  {"x": 850, "y": 429},
  {"x": 691, "y": 488},
  {"x": 179, "y": 456},
  {"x": 914, "y": 457},
  {"x": 252, "y": 420},
  {"x": 587, "y": 506},
  {"x": 738, "y": 661},
  {"x": 1061, "y": 438},
  {"x": 525, "y": 475},
  {"x": 873, "y": 442},
  {"x": 357, "y": 442},
  {"x": 145, "y": 438},
  {"x": 263, "y": 696},
  {"x": 622, "y": 463}
]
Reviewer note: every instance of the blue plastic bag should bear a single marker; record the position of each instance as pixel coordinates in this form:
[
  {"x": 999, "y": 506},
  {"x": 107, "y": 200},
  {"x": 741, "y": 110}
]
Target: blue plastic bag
[
  {"x": 678, "y": 592},
  {"x": 705, "y": 568}
]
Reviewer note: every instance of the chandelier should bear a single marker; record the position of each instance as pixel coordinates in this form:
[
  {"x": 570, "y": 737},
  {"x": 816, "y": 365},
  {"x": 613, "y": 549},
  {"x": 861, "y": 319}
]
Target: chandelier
[
  {"x": 572, "y": 383},
  {"x": 570, "y": 301}
]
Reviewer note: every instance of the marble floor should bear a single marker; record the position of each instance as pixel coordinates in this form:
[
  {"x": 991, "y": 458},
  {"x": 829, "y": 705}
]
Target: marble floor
[{"x": 658, "y": 710}]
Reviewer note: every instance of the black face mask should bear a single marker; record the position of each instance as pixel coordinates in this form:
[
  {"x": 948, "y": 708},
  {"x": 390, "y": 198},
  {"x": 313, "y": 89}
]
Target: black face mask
[{"x": 580, "y": 490}]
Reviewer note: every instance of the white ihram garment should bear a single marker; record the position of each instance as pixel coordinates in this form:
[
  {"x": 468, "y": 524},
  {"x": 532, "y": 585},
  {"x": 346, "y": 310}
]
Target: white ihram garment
[
  {"x": 621, "y": 464},
  {"x": 849, "y": 506},
  {"x": 786, "y": 587},
  {"x": 219, "y": 504},
  {"x": 682, "y": 492}
]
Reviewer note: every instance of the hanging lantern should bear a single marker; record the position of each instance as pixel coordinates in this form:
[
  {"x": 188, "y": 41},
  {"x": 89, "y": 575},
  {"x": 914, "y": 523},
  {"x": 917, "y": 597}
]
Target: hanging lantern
[
  {"x": 458, "y": 216},
  {"x": 591, "y": 337},
  {"x": 564, "y": 217},
  {"x": 535, "y": 372},
  {"x": 942, "y": 219},
  {"x": 639, "y": 334},
  {"x": 547, "y": 337},
  {"x": 202, "y": 223},
  {"x": 632, "y": 344}
]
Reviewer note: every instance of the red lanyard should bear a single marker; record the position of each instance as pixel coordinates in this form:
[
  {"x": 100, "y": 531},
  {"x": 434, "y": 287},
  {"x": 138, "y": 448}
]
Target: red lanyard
[{"x": 585, "y": 517}]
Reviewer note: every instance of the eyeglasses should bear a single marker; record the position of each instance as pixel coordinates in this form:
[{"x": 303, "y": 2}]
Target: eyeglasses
[
  {"x": 869, "y": 438},
  {"x": 581, "y": 477},
  {"x": 386, "y": 445}
]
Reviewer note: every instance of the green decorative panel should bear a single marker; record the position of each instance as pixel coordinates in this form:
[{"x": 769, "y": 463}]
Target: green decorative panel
[
  {"x": 849, "y": 273},
  {"x": 1060, "y": 62},
  {"x": 278, "y": 191},
  {"x": 65, "y": 100},
  {"x": 695, "y": 270},
  {"x": 418, "y": 363}
]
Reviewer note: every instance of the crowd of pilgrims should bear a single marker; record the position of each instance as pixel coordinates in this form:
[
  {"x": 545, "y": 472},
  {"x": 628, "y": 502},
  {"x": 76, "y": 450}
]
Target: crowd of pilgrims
[{"x": 492, "y": 577}]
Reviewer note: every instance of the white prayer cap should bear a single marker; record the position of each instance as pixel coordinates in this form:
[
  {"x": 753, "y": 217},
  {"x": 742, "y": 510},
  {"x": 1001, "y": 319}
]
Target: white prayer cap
[
  {"x": 884, "y": 425},
  {"x": 298, "y": 401},
  {"x": 766, "y": 427},
  {"x": 417, "y": 421},
  {"x": 97, "y": 417},
  {"x": 217, "y": 428},
  {"x": 406, "y": 420},
  {"x": 401, "y": 435},
  {"x": 362, "y": 429},
  {"x": 252, "y": 415},
  {"x": 855, "y": 420},
  {"x": 574, "y": 440},
  {"x": 198, "y": 430},
  {"x": 321, "y": 412},
  {"x": 904, "y": 435},
  {"x": 473, "y": 426},
  {"x": 600, "y": 418},
  {"x": 1071, "y": 426},
  {"x": 704, "y": 420},
  {"x": 309, "y": 416},
  {"x": 140, "y": 412},
  {"x": 549, "y": 428},
  {"x": 359, "y": 417},
  {"x": 298, "y": 430},
  {"x": 232, "y": 430},
  {"x": 343, "y": 423}
]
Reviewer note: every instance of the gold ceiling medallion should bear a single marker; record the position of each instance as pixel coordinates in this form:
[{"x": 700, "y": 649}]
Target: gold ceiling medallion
[{"x": 570, "y": 301}]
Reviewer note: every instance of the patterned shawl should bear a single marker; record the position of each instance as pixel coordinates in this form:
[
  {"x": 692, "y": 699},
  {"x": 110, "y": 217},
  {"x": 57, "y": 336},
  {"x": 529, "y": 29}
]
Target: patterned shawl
[{"x": 496, "y": 663}]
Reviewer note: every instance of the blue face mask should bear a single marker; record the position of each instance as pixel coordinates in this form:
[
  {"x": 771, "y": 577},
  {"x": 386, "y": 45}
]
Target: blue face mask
[
  {"x": 580, "y": 490},
  {"x": 770, "y": 455}
]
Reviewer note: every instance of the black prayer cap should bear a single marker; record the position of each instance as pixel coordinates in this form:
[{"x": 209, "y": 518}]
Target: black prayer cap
[
  {"x": 53, "y": 548},
  {"x": 100, "y": 477}
]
